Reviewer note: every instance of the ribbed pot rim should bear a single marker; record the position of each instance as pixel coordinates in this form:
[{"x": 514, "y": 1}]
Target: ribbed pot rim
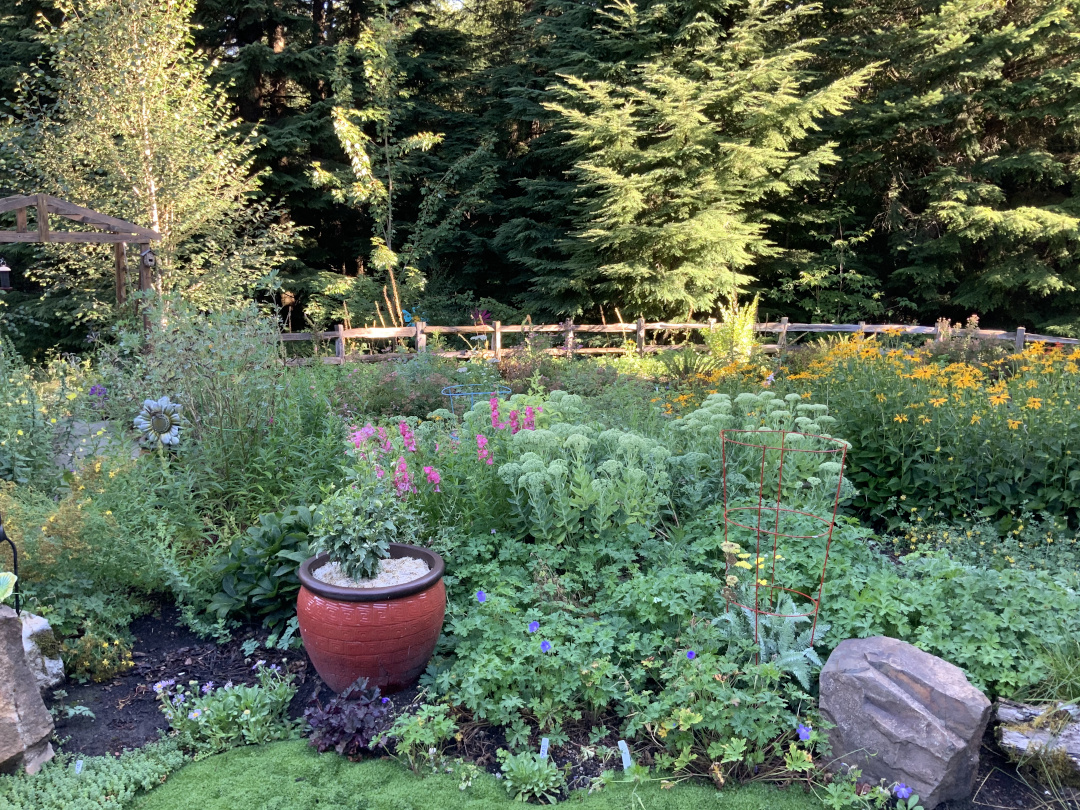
[{"x": 397, "y": 550}]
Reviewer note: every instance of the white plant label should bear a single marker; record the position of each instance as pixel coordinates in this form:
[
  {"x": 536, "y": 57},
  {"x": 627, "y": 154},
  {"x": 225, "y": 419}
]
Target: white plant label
[
  {"x": 78, "y": 766},
  {"x": 627, "y": 763},
  {"x": 543, "y": 748}
]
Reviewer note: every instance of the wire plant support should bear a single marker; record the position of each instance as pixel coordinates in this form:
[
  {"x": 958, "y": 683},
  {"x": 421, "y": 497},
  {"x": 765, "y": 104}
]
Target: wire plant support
[
  {"x": 767, "y": 474},
  {"x": 473, "y": 392},
  {"x": 14, "y": 562}
]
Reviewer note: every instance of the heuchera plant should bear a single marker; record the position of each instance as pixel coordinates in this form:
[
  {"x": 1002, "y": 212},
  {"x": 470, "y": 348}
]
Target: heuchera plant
[{"x": 351, "y": 722}]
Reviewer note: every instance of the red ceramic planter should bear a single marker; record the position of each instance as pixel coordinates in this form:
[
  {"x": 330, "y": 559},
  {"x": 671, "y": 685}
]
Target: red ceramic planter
[{"x": 386, "y": 635}]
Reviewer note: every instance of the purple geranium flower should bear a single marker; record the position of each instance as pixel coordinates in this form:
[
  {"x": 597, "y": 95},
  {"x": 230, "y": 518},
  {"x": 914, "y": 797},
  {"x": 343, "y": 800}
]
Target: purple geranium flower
[
  {"x": 534, "y": 626},
  {"x": 804, "y": 732},
  {"x": 385, "y": 700},
  {"x": 481, "y": 597},
  {"x": 545, "y": 645},
  {"x": 901, "y": 791},
  {"x": 691, "y": 655}
]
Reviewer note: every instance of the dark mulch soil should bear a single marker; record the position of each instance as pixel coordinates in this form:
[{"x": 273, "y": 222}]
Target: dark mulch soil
[{"x": 126, "y": 715}]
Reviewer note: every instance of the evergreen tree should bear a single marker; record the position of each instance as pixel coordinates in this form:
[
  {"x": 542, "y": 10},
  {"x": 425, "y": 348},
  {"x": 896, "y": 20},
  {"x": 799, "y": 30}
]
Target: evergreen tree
[
  {"x": 961, "y": 163},
  {"x": 683, "y": 160}
]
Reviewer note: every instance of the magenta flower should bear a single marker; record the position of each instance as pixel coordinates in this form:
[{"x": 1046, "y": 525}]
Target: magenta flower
[
  {"x": 496, "y": 422},
  {"x": 384, "y": 440},
  {"x": 402, "y": 480},
  {"x": 515, "y": 425},
  {"x": 407, "y": 436},
  {"x": 530, "y": 417},
  {"x": 482, "y": 452},
  {"x": 433, "y": 477}
]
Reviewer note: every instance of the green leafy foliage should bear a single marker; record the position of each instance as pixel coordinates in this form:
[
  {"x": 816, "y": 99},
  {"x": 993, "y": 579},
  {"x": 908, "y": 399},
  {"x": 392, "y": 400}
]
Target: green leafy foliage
[
  {"x": 356, "y": 525},
  {"x": 419, "y": 737},
  {"x": 258, "y": 572},
  {"x": 530, "y": 777},
  {"x": 209, "y": 719}
]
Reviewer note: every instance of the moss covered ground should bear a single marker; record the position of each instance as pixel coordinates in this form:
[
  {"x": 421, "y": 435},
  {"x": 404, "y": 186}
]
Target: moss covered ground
[{"x": 292, "y": 776}]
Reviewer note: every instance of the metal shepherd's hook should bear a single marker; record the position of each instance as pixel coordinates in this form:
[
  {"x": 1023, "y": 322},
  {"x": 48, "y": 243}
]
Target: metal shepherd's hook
[{"x": 14, "y": 562}]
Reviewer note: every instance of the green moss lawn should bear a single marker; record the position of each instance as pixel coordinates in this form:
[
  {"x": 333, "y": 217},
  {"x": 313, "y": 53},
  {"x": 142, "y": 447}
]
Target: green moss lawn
[{"x": 292, "y": 776}]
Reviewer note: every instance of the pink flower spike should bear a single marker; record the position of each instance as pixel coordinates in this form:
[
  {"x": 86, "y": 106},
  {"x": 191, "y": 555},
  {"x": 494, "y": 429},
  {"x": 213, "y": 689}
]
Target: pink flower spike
[
  {"x": 515, "y": 426},
  {"x": 407, "y": 436}
]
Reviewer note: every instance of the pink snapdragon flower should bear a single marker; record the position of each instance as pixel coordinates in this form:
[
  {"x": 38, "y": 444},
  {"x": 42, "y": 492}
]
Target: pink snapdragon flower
[
  {"x": 530, "y": 417},
  {"x": 407, "y": 436},
  {"x": 482, "y": 452},
  {"x": 515, "y": 424},
  {"x": 433, "y": 477},
  {"x": 361, "y": 435},
  {"x": 495, "y": 421},
  {"x": 384, "y": 440},
  {"x": 402, "y": 480}
]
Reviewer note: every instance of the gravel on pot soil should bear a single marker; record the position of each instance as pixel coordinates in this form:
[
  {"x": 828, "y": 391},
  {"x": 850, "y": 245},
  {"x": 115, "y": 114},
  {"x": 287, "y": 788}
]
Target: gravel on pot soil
[{"x": 391, "y": 572}]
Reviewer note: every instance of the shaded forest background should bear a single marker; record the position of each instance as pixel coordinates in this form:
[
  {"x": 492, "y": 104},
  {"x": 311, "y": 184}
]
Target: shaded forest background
[{"x": 873, "y": 160}]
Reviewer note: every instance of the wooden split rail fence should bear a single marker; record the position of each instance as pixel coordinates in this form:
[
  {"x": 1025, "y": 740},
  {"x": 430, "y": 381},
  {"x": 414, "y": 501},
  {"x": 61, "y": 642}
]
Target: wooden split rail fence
[{"x": 783, "y": 329}]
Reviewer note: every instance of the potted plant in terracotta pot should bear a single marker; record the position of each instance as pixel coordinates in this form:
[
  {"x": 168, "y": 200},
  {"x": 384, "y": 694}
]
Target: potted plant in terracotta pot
[{"x": 371, "y": 603}]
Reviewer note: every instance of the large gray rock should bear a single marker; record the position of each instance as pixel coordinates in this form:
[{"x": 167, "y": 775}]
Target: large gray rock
[
  {"x": 42, "y": 651},
  {"x": 903, "y": 715},
  {"x": 25, "y": 723}
]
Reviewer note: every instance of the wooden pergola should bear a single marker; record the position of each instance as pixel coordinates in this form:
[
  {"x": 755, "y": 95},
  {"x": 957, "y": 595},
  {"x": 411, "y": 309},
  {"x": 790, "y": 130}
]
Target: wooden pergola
[{"x": 105, "y": 229}]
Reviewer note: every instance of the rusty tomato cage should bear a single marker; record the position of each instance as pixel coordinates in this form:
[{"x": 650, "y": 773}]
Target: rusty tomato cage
[{"x": 775, "y": 487}]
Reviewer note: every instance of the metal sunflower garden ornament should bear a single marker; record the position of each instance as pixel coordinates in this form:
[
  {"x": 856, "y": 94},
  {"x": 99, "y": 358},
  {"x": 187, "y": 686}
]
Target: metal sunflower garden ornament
[{"x": 159, "y": 421}]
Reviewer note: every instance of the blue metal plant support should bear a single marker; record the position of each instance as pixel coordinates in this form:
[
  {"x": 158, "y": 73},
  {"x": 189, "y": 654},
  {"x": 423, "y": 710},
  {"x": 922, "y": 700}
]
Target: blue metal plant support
[
  {"x": 472, "y": 392},
  {"x": 14, "y": 562}
]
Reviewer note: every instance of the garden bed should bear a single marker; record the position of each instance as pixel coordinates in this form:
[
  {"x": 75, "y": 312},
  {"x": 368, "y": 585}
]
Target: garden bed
[{"x": 127, "y": 713}]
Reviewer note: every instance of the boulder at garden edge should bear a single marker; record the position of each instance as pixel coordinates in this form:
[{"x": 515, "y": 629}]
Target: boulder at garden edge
[
  {"x": 903, "y": 715},
  {"x": 25, "y": 723}
]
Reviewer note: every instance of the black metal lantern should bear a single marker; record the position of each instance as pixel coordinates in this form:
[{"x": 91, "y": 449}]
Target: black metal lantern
[{"x": 5, "y": 276}]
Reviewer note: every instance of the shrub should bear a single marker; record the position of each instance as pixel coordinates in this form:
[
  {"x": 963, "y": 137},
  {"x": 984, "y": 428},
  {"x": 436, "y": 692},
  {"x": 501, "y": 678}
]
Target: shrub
[
  {"x": 350, "y": 723},
  {"x": 92, "y": 782},
  {"x": 210, "y": 719},
  {"x": 359, "y": 521},
  {"x": 95, "y": 657},
  {"x": 259, "y": 578}
]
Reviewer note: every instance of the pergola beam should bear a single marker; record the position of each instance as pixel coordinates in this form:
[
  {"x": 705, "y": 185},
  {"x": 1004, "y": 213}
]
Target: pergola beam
[{"x": 112, "y": 230}]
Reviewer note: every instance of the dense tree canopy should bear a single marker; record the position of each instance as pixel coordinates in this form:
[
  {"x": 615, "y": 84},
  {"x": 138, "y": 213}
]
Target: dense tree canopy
[{"x": 853, "y": 160}]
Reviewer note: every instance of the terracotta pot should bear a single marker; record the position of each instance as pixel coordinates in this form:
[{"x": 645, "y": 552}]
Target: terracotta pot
[{"x": 384, "y": 634}]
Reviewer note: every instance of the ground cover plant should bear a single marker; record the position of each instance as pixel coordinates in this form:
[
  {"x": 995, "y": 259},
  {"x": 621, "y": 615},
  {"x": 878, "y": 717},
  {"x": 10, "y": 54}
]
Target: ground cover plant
[{"x": 291, "y": 774}]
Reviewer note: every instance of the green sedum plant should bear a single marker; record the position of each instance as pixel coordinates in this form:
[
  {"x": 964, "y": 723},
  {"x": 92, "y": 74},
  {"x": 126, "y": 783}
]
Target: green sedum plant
[
  {"x": 530, "y": 777},
  {"x": 92, "y": 783}
]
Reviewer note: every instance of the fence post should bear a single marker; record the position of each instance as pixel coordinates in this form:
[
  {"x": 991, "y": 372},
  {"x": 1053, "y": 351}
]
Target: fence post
[
  {"x": 1021, "y": 336},
  {"x": 339, "y": 343},
  {"x": 641, "y": 335},
  {"x": 496, "y": 342},
  {"x": 781, "y": 339},
  {"x": 421, "y": 337},
  {"x": 712, "y": 324},
  {"x": 569, "y": 331}
]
